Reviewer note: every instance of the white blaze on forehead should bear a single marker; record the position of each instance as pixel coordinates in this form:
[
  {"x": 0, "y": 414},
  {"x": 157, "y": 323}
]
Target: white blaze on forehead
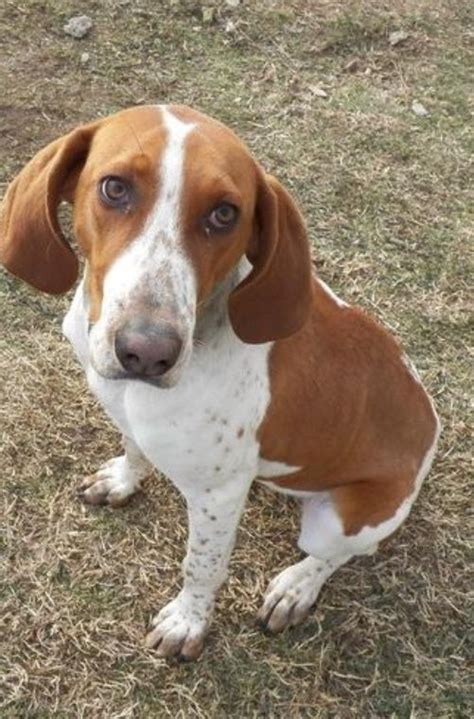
[{"x": 164, "y": 217}]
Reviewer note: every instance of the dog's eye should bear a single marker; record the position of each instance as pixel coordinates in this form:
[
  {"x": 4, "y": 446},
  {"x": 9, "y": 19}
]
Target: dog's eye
[
  {"x": 222, "y": 217},
  {"x": 115, "y": 192}
]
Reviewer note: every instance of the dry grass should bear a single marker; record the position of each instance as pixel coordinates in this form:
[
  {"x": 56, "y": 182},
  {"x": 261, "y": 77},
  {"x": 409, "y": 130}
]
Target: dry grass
[{"x": 386, "y": 196}]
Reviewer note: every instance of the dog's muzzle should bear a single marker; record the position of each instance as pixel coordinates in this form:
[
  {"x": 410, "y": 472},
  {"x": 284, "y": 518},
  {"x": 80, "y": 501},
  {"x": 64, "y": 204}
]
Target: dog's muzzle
[{"x": 147, "y": 350}]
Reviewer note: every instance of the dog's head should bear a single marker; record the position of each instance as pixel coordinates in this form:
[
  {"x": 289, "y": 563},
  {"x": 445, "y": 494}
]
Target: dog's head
[{"x": 166, "y": 203}]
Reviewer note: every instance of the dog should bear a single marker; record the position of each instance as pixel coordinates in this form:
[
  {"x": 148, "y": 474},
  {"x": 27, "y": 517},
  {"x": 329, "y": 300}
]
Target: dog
[{"x": 218, "y": 353}]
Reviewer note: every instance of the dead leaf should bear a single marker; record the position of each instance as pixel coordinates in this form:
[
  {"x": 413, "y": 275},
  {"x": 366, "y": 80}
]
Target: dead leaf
[
  {"x": 318, "y": 91},
  {"x": 352, "y": 65}
]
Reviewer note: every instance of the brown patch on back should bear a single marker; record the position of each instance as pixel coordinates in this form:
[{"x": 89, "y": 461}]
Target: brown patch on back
[{"x": 345, "y": 409}]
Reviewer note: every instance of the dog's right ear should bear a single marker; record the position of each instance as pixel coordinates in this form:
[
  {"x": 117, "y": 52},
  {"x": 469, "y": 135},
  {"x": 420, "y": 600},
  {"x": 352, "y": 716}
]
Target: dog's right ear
[{"x": 32, "y": 246}]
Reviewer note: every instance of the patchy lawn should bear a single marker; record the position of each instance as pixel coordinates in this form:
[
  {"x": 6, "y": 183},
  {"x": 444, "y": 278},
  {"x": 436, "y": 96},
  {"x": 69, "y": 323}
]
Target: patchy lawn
[{"x": 386, "y": 195}]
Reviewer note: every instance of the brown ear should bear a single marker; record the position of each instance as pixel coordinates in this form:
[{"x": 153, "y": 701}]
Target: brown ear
[
  {"x": 274, "y": 300},
  {"x": 32, "y": 246}
]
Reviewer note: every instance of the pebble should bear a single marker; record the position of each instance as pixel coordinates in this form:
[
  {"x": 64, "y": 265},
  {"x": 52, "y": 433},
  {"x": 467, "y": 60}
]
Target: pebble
[
  {"x": 419, "y": 109},
  {"x": 78, "y": 26},
  {"x": 395, "y": 38}
]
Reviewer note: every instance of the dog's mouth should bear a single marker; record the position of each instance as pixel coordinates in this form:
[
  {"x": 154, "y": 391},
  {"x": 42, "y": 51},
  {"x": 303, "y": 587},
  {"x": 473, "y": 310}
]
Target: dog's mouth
[
  {"x": 165, "y": 381},
  {"x": 158, "y": 382}
]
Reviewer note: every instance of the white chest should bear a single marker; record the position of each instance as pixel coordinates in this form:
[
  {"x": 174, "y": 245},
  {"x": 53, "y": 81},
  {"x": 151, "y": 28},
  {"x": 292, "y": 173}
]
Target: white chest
[{"x": 205, "y": 425}]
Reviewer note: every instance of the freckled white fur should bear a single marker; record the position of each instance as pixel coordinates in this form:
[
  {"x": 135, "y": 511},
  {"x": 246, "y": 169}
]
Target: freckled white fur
[
  {"x": 192, "y": 432},
  {"x": 340, "y": 303}
]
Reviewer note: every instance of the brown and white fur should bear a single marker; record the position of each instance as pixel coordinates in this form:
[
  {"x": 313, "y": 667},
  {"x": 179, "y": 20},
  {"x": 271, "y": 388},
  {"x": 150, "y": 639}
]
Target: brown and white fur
[{"x": 274, "y": 377}]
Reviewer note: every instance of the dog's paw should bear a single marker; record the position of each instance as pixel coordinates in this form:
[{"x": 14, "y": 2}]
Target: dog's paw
[
  {"x": 289, "y": 599},
  {"x": 179, "y": 629},
  {"x": 114, "y": 483}
]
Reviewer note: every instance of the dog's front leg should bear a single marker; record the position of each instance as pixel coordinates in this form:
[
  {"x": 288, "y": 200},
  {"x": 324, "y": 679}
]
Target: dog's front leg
[{"x": 214, "y": 514}]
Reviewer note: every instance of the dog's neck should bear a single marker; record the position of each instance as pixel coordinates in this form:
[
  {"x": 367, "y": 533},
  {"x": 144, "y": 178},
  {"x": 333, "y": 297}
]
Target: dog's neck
[{"x": 212, "y": 314}]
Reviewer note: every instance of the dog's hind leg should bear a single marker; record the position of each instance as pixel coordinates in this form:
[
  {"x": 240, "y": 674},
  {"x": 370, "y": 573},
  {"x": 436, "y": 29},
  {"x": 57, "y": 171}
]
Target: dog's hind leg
[
  {"x": 331, "y": 536},
  {"x": 118, "y": 479}
]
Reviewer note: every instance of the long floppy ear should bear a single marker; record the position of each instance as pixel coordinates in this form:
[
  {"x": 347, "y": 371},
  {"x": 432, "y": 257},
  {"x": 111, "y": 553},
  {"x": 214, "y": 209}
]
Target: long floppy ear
[
  {"x": 32, "y": 246},
  {"x": 274, "y": 300}
]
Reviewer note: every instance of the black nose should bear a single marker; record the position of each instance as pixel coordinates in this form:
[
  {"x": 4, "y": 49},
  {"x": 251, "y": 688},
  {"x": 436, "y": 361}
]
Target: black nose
[{"x": 147, "y": 350}]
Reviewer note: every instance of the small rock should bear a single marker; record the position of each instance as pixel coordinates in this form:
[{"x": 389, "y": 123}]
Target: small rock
[
  {"x": 419, "y": 109},
  {"x": 318, "y": 91},
  {"x": 85, "y": 57},
  {"x": 395, "y": 38},
  {"x": 78, "y": 26},
  {"x": 232, "y": 3}
]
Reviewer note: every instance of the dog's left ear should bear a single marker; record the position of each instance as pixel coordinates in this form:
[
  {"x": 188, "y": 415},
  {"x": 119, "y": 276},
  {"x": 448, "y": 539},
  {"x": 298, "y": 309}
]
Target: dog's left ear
[{"x": 274, "y": 300}]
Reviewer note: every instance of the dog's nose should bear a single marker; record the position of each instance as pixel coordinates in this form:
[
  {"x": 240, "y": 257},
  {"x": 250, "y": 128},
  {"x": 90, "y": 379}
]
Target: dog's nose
[{"x": 147, "y": 350}]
